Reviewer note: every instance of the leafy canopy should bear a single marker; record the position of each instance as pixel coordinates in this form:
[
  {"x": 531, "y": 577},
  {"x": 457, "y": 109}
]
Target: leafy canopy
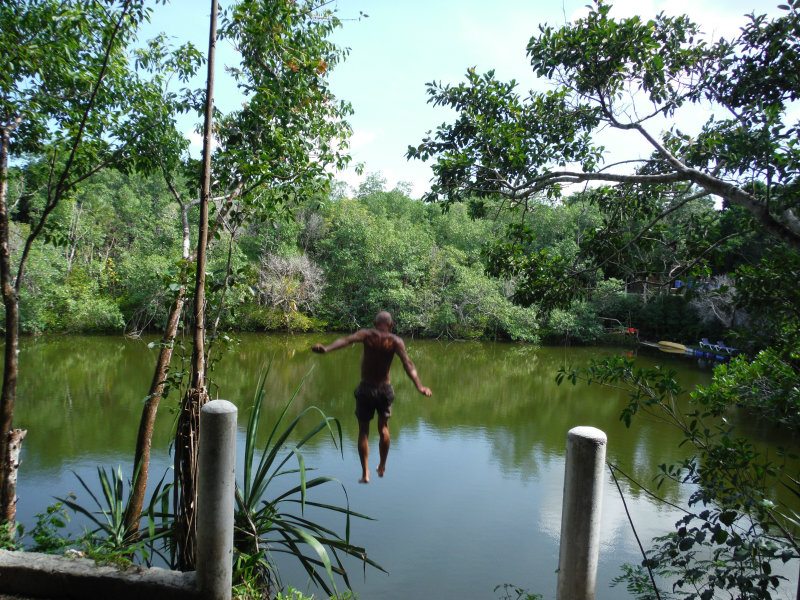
[
  {"x": 291, "y": 130},
  {"x": 631, "y": 75}
]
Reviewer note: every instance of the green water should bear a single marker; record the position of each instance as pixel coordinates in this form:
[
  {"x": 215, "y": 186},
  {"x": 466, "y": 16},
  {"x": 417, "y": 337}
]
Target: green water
[{"x": 472, "y": 494}]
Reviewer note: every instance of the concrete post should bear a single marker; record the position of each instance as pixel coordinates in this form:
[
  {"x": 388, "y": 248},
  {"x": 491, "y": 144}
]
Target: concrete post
[
  {"x": 580, "y": 516},
  {"x": 215, "y": 496}
]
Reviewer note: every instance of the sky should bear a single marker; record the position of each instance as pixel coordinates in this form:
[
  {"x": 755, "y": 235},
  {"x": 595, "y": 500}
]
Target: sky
[{"x": 403, "y": 44}]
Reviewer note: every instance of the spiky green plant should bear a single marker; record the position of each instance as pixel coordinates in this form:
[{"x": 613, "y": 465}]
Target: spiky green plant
[
  {"x": 270, "y": 522},
  {"x": 109, "y": 540}
]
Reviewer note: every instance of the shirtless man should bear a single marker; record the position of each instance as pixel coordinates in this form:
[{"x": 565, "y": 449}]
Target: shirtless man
[{"x": 375, "y": 392}]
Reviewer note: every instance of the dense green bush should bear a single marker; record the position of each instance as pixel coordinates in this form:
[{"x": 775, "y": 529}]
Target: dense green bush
[
  {"x": 70, "y": 302},
  {"x": 253, "y": 317},
  {"x": 379, "y": 251},
  {"x": 660, "y": 317},
  {"x": 388, "y": 252},
  {"x": 768, "y": 386},
  {"x": 578, "y": 323}
]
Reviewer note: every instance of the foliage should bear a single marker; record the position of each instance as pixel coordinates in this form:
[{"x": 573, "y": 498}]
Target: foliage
[
  {"x": 385, "y": 250},
  {"x": 281, "y": 146},
  {"x": 579, "y": 323},
  {"x": 665, "y": 316},
  {"x": 512, "y": 592},
  {"x": 389, "y": 252},
  {"x": 104, "y": 275},
  {"x": 768, "y": 290},
  {"x": 638, "y": 583},
  {"x": 110, "y": 541},
  {"x": 266, "y": 519},
  {"x": 67, "y": 96},
  {"x": 253, "y": 317},
  {"x": 768, "y": 386},
  {"x": 735, "y": 528},
  {"x": 9, "y": 536},
  {"x": 716, "y": 301},
  {"x": 78, "y": 306},
  {"x": 242, "y": 593},
  {"x": 498, "y": 139},
  {"x": 109, "y": 518},
  {"x": 290, "y": 284},
  {"x": 74, "y": 108},
  {"x": 293, "y": 594},
  {"x": 46, "y": 532},
  {"x": 537, "y": 271},
  {"x": 626, "y": 74}
]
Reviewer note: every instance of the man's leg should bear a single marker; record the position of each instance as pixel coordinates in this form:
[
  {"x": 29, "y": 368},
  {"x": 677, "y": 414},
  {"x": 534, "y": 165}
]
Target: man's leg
[
  {"x": 383, "y": 445},
  {"x": 363, "y": 449}
]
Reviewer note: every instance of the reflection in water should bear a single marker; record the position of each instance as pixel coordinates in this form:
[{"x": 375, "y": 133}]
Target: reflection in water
[{"x": 472, "y": 495}]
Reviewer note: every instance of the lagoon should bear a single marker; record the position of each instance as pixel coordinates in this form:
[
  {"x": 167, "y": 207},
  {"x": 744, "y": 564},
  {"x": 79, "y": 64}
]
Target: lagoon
[{"x": 472, "y": 494}]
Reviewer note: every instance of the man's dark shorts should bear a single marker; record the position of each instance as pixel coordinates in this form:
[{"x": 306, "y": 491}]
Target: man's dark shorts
[{"x": 373, "y": 397}]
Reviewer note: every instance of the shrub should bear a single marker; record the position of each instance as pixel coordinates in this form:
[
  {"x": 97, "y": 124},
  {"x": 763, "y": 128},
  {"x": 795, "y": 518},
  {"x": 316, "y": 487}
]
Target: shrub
[
  {"x": 579, "y": 323},
  {"x": 769, "y": 386}
]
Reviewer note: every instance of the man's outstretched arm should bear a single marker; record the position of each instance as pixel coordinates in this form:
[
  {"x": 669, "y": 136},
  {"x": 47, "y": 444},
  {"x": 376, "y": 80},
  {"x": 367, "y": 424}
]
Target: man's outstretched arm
[
  {"x": 342, "y": 342},
  {"x": 411, "y": 370}
]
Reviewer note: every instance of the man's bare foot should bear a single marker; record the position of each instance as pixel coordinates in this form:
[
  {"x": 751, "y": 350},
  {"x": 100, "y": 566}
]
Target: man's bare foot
[
  {"x": 365, "y": 479},
  {"x": 381, "y": 470}
]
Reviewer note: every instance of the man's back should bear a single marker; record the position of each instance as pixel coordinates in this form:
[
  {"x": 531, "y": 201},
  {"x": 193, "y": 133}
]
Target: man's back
[{"x": 379, "y": 350}]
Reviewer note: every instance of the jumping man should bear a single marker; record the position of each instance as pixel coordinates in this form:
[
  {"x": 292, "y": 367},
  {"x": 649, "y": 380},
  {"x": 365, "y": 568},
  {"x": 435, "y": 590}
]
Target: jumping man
[{"x": 375, "y": 392}]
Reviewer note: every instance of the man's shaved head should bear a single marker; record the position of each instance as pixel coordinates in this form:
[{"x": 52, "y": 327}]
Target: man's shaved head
[{"x": 384, "y": 318}]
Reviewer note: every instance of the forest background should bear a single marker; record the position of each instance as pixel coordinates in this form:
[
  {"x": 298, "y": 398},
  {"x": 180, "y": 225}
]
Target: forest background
[{"x": 111, "y": 256}]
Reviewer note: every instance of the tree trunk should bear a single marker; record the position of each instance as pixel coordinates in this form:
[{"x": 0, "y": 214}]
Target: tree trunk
[
  {"x": 72, "y": 245},
  {"x": 8, "y": 500},
  {"x": 186, "y": 449},
  {"x": 144, "y": 440},
  {"x": 15, "y": 437},
  {"x": 187, "y": 433}
]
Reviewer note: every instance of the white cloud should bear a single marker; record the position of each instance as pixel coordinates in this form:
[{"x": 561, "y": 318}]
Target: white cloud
[{"x": 362, "y": 138}]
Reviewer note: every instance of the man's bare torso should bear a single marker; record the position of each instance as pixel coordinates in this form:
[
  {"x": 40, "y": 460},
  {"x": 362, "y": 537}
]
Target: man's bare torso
[{"x": 379, "y": 350}]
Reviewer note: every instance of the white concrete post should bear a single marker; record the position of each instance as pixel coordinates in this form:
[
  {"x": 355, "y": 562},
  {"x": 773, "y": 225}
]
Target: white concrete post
[
  {"x": 215, "y": 496},
  {"x": 580, "y": 515}
]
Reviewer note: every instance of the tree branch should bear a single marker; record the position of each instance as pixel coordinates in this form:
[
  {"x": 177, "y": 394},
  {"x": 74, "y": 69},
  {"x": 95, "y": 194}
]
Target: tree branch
[{"x": 61, "y": 186}]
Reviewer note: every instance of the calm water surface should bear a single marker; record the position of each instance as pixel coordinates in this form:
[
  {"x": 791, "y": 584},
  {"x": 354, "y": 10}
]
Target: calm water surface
[{"x": 472, "y": 493}]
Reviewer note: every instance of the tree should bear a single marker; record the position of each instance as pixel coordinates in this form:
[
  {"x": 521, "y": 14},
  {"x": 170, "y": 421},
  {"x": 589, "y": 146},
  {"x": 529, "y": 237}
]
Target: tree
[
  {"x": 717, "y": 302},
  {"x": 290, "y": 283},
  {"x": 144, "y": 438},
  {"x": 627, "y": 75},
  {"x": 632, "y": 76},
  {"x": 373, "y": 182},
  {"x": 188, "y": 428},
  {"x": 387, "y": 251},
  {"x": 272, "y": 152},
  {"x": 164, "y": 150},
  {"x": 67, "y": 92}
]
